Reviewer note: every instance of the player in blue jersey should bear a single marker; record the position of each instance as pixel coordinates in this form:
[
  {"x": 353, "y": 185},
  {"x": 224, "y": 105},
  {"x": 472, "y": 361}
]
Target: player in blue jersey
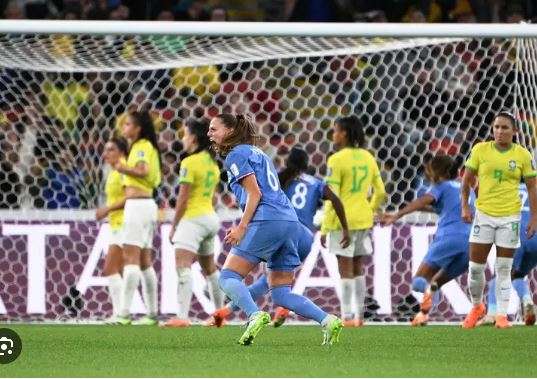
[
  {"x": 447, "y": 256},
  {"x": 266, "y": 232},
  {"x": 524, "y": 260}
]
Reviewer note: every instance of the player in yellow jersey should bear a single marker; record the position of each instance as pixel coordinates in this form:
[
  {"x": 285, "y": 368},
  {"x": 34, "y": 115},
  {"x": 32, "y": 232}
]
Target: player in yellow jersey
[
  {"x": 142, "y": 175},
  {"x": 352, "y": 174},
  {"x": 115, "y": 150},
  {"x": 498, "y": 166},
  {"x": 195, "y": 224}
]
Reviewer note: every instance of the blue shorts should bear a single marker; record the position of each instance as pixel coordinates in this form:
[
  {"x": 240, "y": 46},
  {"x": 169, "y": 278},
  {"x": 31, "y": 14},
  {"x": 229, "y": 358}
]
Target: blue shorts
[
  {"x": 525, "y": 258},
  {"x": 274, "y": 242},
  {"x": 450, "y": 253},
  {"x": 305, "y": 240}
]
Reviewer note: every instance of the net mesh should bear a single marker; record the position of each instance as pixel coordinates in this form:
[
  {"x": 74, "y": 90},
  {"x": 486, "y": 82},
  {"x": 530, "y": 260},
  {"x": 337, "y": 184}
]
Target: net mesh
[{"x": 63, "y": 96}]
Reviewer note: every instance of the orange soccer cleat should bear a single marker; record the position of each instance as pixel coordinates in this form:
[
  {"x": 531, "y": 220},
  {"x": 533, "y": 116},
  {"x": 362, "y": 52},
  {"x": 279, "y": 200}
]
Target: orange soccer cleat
[
  {"x": 177, "y": 323},
  {"x": 219, "y": 316},
  {"x": 420, "y": 319},
  {"x": 280, "y": 316},
  {"x": 472, "y": 318},
  {"x": 502, "y": 322},
  {"x": 353, "y": 323},
  {"x": 426, "y": 303}
]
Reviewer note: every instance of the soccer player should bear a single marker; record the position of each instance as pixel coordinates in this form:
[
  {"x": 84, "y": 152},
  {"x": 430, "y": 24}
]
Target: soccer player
[
  {"x": 352, "y": 174},
  {"x": 115, "y": 150},
  {"x": 195, "y": 223},
  {"x": 499, "y": 166},
  {"x": 266, "y": 232},
  {"x": 525, "y": 259},
  {"x": 306, "y": 193},
  {"x": 142, "y": 175},
  {"x": 447, "y": 257}
]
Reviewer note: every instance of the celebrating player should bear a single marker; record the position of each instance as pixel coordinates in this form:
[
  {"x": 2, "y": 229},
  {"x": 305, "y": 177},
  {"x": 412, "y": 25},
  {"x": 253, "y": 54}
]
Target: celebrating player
[
  {"x": 499, "y": 166},
  {"x": 195, "y": 223},
  {"x": 305, "y": 192},
  {"x": 266, "y": 232},
  {"x": 115, "y": 150},
  {"x": 447, "y": 257},
  {"x": 352, "y": 173},
  {"x": 141, "y": 177}
]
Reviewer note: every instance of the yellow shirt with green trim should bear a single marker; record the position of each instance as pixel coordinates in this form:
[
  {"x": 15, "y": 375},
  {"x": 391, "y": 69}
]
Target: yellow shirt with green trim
[
  {"x": 352, "y": 174},
  {"x": 201, "y": 172},
  {"x": 115, "y": 192},
  {"x": 499, "y": 174},
  {"x": 143, "y": 151}
]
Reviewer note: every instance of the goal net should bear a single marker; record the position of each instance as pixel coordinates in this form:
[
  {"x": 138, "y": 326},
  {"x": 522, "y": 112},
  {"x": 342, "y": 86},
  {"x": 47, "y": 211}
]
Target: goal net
[{"x": 62, "y": 96}]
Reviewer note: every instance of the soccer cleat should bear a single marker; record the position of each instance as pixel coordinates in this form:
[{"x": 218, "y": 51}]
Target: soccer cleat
[
  {"x": 420, "y": 319},
  {"x": 529, "y": 314},
  {"x": 123, "y": 321},
  {"x": 219, "y": 316},
  {"x": 332, "y": 330},
  {"x": 502, "y": 322},
  {"x": 350, "y": 323},
  {"x": 257, "y": 321},
  {"x": 358, "y": 323},
  {"x": 146, "y": 321},
  {"x": 476, "y": 313},
  {"x": 426, "y": 303},
  {"x": 280, "y": 316},
  {"x": 176, "y": 323},
  {"x": 487, "y": 320}
]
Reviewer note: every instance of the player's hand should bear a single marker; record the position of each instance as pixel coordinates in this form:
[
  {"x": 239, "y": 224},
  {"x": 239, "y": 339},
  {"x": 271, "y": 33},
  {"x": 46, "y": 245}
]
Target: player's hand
[
  {"x": 345, "y": 239},
  {"x": 466, "y": 215},
  {"x": 387, "y": 219},
  {"x": 531, "y": 228},
  {"x": 235, "y": 234},
  {"x": 172, "y": 233},
  {"x": 117, "y": 165},
  {"x": 101, "y": 213},
  {"x": 323, "y": 240}
]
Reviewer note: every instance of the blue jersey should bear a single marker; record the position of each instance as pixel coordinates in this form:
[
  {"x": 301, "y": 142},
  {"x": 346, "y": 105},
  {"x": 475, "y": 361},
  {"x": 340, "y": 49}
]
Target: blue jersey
[
  {"x": 525, "y": 258},
  {"x": 447, "y": 205},
  {"x": 306, "y": 194},
  {"x": 244, "y": 160},
  {"x": 525, "y": 210}
]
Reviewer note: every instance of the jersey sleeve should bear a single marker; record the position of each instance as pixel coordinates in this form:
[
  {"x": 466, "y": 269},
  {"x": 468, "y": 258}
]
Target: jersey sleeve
[
  {"x": 186, "y": 172},
  {"x": 379, "y": 191},
  {"x": 528, "y": 165},
  {"x": 473, "y": 161},
  {"x": 435, "y": 191},
  {"x": 238, "y": 165},
  {"x": 140, "y": 153},
  {"x": 333, "y": 176}
]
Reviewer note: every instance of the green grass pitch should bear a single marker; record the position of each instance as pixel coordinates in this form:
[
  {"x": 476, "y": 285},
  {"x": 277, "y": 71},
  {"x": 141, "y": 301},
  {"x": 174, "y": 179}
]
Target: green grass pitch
[{"x": 438, "y": 351}]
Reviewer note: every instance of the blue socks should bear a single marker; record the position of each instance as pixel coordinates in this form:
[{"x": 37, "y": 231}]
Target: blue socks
[
  {"x": 301, "y": 305},
  {"x": 257, "y": 289},
  {"x": 491, "y": 297},
  {"x": 233, "y": 286},
  {"x": 419, "y": 284},
  {"x": 521, "y": 288}
]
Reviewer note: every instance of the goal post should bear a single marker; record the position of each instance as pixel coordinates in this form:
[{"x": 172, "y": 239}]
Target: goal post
[{"x": 65, "y": 86}]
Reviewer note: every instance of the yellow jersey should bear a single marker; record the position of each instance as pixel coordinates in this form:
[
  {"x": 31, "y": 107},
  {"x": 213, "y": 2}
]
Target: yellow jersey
[
  {"x": 202, "y": 173},
  {"x": 143, "y": 151},
  {"x": 352, "y": 173},
  {"x": 499, "y": 174},
  {"x": 114, "y": 193}
]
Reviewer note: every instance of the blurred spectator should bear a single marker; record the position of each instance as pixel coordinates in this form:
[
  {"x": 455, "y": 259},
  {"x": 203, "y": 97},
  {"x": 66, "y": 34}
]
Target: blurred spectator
[
  {"x": 166, "y": 16},
  {"x": 14, "y": 11},
  {"x": 218, "y": 14}
]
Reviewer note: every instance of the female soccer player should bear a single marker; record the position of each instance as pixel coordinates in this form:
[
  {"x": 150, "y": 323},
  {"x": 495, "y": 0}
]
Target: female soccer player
[
  {"x": 141, "y": 177},
  {"x": 195, "y": 223},
  {"x": 115, "y": 150},
  {"x": 352, "y": 173},
  {"x": 498, "y": 165},
  {"x": 267, "y": 231},
  {"x": 447, "y": 257},
  {"x": 306, "y": 193}
]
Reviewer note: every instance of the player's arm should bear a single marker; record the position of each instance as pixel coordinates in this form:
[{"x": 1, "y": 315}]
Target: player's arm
[
  {"x": 468, "y": 182},
  {"x": 140, "y": 170},
  {"x": 104, "y": 211},
  {"x": 379, "y": 191},
  {"x": 329, "y": 195},
  {"x": 333, "y": 180},
  {"x": 531, "y": 185},
  {"x": 180, "y": 206},
  {"x": 249, "y": 183},
  {"x": 420, "y": 203}
]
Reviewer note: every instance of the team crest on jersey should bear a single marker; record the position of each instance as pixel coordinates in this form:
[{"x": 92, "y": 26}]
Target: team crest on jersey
[
  {"x": 476, "y": 229},
  {"x": 140, "y": 154},
  {"x": 234, "y": 169},
  {"x": 183, "y": 172},
  {"x": 512, "y": 165}
]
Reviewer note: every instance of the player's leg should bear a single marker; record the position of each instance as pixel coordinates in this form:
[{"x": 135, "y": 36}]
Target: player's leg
[
  {"x": 346, "y": 273},
  {"x": 183, "y": 265},
  {"x": 113, "y": 266},
  {"x": 149, "y": 288},
  {"x": 131, "y": 279},
  {"x": 362, "y": 248},
  {"x": 524, "y": 261}
]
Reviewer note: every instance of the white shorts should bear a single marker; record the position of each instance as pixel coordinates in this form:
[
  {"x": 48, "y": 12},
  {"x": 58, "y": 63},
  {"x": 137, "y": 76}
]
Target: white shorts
[
  {"x": 360, "y": 243},
  {"x": 139, "y": 222},
  {"x": 116, "y": 237},
  {"x": 197, "y": 234},
  {"x": 501, "y": 231}
]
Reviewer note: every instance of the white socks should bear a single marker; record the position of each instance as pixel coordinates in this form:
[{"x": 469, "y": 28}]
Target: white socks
[
  {"x": 215, "y": 293},
  {"x": 502, "y": 267},
  {"x": 347, "y": 291},
  {"x": 184, "y": 292},
  {"x": 359, "y": 295},
  {"x": 131, "y": 277},
  {"x": 476, "y": 281},
  {"x": 115, "y": 284},
  {"x": 149, "y": 288}
]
